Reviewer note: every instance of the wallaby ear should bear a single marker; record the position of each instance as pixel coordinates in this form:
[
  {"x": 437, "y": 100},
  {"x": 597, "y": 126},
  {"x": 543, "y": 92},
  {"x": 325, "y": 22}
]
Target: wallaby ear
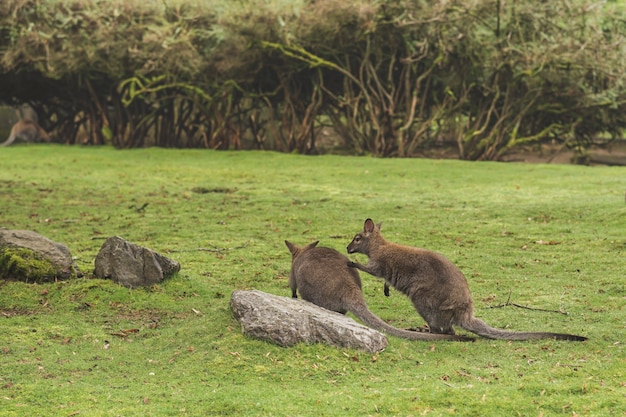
[
  {"x": 368, "y": 227},
  {"x": 292, "y": 248},
  {"x": 311, "y": 245},
  {"x": 379, "y": 225}
]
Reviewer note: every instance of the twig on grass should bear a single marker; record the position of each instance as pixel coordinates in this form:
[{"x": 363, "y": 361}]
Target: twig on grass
[{"x": 509, "y": 303}]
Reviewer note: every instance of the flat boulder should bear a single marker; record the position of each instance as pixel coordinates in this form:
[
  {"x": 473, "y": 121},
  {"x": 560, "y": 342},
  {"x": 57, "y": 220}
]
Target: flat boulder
[
  {"x": 28, "y": 256},
  {"x": 288, "y": 321},
  {"x": 132, "y": 265}
]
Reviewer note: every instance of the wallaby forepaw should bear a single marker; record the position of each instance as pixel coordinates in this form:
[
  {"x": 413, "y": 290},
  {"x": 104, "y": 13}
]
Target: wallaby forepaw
[{"x": 352, "y": 265}]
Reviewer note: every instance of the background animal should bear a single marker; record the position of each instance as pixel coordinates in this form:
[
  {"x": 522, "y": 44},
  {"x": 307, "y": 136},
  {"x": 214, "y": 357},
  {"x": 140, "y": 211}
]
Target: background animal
[
  {"x": 28, "y": 131},
  {"x": 437, "y": 288},
  {"x": 322, "y": 277}
]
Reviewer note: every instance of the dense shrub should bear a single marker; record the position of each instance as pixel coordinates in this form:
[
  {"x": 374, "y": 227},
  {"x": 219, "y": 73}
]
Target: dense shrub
[{"x": 390, "y": 76}]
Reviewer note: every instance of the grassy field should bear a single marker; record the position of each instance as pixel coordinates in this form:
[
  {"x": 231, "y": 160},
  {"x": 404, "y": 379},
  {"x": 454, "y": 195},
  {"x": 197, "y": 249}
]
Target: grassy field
[{"x": 545, "y": 236}]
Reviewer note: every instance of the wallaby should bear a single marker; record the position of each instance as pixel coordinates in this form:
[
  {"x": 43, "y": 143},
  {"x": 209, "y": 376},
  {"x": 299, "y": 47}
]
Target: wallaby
[
  {"x": 322, "y": 276},
  {"x": 437, "y": 288},
  {"x": 27, "y": 130}
]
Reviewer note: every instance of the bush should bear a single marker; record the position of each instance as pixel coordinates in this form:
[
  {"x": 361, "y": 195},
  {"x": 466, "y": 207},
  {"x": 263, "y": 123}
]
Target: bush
[{"x": 390, "y": 76}]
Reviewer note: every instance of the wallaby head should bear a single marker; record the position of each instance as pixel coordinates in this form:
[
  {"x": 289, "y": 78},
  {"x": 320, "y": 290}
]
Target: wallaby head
[
  {"x": 296, "y": 250},
  {"x": 27, "y": 130},
  {"x": 369, "y": 238}
]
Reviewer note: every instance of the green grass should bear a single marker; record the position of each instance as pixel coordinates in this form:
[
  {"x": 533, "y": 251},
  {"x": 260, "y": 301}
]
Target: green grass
[{"x": 175, "y": 349}]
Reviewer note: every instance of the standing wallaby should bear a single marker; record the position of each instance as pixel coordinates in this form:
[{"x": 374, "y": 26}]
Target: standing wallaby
[
  {"x": 437, "y": 288},
  {"x": 322, "y": 276},
  {"x": 27, "y": 130}
]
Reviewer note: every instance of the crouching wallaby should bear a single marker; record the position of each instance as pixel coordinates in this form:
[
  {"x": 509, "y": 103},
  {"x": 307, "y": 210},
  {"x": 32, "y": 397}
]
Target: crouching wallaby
[
  {"x": 437, "y": 288},
  {"x": 27, "y": 130},
  {"x": 322, "y": 276}
]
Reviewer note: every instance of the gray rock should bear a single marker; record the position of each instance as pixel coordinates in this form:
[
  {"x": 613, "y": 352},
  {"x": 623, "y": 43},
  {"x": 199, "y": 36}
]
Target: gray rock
[
  {"x": 132, "y": 265},
  {"x": 288, "y": 321},
  {"x": 28, "y": 256}
]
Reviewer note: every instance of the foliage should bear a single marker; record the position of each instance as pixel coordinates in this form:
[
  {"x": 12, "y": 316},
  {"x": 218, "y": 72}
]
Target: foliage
[
  {"x": 553, "y": 73},
  {"x": 543, "y": 236},
  {"x": 390, "y": 77}
]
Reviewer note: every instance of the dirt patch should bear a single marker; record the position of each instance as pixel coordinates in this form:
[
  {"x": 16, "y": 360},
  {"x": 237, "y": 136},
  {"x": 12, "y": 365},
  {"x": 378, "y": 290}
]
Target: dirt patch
[
  {"x": 328, "y": 141},
  {"x": 614, "y": 154}
]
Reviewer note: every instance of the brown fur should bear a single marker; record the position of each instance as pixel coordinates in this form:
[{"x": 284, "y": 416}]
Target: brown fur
[
  {"x": 437, "y": 288},
  {"x": 322, "y": 277},
  {"x": 27, "y": 130}
]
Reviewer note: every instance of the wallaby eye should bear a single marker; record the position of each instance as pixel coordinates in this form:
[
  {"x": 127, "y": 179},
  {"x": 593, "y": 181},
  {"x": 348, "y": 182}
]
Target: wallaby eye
[{"x": 357, "y": 238}]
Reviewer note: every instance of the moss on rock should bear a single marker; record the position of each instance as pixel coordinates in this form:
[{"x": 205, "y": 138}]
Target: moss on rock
[{"x": 24, "y": 264}]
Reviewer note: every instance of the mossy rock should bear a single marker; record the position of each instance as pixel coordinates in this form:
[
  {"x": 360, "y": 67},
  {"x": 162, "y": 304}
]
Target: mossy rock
[
  {"x": 30, "y": 257},
  {"x": 25, "y": 265}
]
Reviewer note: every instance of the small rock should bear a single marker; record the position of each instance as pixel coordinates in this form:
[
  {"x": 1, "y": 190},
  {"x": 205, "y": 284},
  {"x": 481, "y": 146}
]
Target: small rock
[{"x": 132, "y": 265}]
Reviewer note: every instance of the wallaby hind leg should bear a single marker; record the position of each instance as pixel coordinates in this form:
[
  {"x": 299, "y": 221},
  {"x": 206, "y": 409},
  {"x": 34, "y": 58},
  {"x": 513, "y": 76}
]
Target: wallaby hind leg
[{"x": 439, "y": 321}]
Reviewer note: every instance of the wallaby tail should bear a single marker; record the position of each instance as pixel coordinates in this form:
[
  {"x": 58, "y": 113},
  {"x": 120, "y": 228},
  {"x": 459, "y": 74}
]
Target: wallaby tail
[
  {"x": 481, "y": 328},
  {"x": 373, "y": 321},
  {"x": 10, "y": 140}
]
